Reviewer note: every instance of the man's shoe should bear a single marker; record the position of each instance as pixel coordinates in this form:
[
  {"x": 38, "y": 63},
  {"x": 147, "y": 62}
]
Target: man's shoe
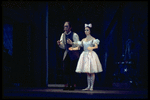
[
  {"x": 72, "y": 87},
  {"x": 66, "y": 87}
]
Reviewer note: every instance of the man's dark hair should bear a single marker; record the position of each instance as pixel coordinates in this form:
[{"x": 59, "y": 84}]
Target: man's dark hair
[{"x": 70, "y": 25}]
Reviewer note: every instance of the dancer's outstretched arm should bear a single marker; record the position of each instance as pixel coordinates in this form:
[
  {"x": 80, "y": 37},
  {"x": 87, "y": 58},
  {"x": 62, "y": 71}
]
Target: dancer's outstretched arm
[
  {"x": 71, "y": 48},
  {"x": 78, "y": 43}
]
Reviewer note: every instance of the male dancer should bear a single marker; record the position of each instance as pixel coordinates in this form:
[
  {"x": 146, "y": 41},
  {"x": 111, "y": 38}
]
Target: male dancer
[{"x": 70, "y": 58}]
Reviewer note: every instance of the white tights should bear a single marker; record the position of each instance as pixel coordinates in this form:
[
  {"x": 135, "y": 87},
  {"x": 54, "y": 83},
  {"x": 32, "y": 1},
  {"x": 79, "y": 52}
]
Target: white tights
[{"x": 90, "y": 80}]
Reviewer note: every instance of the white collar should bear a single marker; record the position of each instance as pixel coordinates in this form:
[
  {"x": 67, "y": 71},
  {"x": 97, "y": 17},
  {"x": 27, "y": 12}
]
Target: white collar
[{"x": 68, "y": 33}]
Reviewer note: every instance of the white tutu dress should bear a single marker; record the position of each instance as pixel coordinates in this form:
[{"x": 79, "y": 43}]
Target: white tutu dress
[{"x": 88, "y": 61}]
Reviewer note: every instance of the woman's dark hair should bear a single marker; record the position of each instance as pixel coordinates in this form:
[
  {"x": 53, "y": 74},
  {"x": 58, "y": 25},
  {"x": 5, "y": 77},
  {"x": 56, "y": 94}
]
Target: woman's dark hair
[{"x": 90, "y": 28}]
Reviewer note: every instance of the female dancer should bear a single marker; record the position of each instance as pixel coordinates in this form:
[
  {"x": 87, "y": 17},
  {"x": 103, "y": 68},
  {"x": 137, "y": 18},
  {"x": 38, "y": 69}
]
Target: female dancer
[{"x": 88, "y": 62}]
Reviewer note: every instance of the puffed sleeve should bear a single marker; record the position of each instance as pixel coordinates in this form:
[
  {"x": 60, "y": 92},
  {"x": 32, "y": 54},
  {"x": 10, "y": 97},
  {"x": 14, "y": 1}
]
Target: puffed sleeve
[
  {"x": 75, "y": 39},
  {"x": 78, "y": 43},
  {"x": 96, "y": 41}
]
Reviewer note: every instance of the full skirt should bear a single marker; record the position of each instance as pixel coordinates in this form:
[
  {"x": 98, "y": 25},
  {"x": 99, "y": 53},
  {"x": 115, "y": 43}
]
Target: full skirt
[{"x": 89, "y": 63}]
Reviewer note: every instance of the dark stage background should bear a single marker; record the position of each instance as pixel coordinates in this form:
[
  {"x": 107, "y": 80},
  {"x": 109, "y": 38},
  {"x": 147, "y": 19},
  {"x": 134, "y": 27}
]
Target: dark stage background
[{"x": 121, "y": 27}]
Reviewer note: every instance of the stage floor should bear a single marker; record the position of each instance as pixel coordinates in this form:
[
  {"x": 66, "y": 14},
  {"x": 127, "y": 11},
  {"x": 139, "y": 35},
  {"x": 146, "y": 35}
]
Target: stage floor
[{"x": 53, "y": 92}]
